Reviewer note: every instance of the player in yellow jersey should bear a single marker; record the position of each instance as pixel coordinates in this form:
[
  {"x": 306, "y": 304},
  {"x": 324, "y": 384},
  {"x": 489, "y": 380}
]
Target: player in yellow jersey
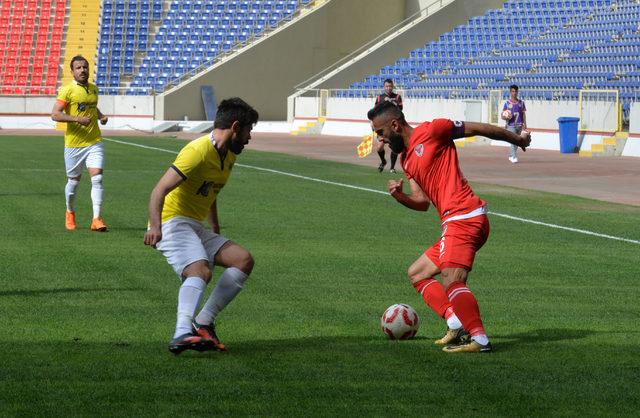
[
  {"x": 182, "y": 199},
  {"x": 77, "y": 105}
]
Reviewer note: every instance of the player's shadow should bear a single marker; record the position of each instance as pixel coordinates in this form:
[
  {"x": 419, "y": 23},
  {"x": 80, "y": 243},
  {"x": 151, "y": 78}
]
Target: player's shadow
[
  {"x": 40, "y": 292},
  {"x": 507, "y": 341}
]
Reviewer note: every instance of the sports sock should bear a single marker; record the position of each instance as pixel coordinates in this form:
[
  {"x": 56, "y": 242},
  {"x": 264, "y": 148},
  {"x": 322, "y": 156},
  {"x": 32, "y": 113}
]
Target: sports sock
[
  {"x": 70, "y": 194},
  {"x": 381, "y": 155},
  {"x": 466, "y": 307},
  {"x": 228, "y": 286},
  {"x": 514, "y": 151},
  {"x": 189, "y": 297},
  {"x": 435, "y": 297},
  {"x": 96, "y": 194},
  {"x": 394, "y": 158}
]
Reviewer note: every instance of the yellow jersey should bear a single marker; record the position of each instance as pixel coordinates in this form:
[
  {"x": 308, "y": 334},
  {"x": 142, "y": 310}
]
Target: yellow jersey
[
  {"x": 79, "y": 100},
  {"x": 204, "y": 174}
]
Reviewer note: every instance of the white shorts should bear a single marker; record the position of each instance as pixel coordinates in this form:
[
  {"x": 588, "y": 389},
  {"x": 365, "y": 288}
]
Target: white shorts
[
  {"x": 185, "y": 241},
  {"x": 77, "y": 158}
]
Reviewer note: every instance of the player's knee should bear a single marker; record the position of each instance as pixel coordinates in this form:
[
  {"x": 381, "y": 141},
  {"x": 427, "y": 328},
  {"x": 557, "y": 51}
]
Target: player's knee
[
  {"x": 245, "y": 263},
  {"x": 451, "y": 276},
  {"x": 198, "y": 269},
  {"x": 96, "y": 180}
]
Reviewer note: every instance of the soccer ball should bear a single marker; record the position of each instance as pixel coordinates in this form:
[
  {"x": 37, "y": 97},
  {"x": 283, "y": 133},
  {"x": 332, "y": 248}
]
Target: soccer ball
[
  {"x": 400, "y": 322},
  {"x": 507, "y": 115}
]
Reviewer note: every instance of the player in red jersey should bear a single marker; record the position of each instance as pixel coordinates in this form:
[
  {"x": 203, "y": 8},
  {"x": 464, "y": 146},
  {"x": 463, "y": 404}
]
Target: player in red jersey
[{"x": 430, "y": 163}]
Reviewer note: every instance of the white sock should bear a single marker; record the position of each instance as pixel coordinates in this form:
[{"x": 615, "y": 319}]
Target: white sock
[
  {"x": 96, "y": 194},
  {"x": 481, "y": 339},
  {"x": 189, "y": 297},
  {"x": 453, "y": 322},
  {"x": 228, "y": 286},
  {"x": 70, "y": 194}
]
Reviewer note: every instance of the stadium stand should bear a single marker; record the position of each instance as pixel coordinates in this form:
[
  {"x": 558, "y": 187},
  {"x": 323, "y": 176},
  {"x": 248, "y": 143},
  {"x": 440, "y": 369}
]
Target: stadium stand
[
  {"x": 81, "y": 35},
  {"x": 31, "y": 33},
  {"x": 194, "y": 32},
  {"x": 550, "y": 48}
]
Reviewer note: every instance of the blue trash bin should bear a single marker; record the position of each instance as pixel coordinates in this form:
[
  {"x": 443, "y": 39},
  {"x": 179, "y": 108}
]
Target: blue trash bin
[{"x": 568, "y": 134}]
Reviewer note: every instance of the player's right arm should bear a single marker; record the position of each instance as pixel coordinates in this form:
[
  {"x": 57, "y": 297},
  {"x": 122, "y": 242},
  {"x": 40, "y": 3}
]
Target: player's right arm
[
  {"x": 417, "y": 200},
  {"x": 57, "y": 114},
  {"x": 497, "y": 133},
  {"x": 169, "y": 181}
]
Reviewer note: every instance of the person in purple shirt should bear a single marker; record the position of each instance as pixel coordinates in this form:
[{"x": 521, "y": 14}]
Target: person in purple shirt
[{"x": 518, "y": 120}]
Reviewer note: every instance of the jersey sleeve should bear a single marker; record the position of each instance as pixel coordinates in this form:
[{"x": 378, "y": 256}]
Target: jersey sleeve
[
  {"x": 442, "y": 129},
  {"x": 524, "y": 108},
  {"x": 63, "y": 95},
  {"x": 187, "y": 161}
]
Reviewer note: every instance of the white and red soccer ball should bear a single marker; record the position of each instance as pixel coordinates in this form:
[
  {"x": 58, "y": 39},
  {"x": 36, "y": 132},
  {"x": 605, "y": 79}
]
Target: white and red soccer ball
[
  {"x": 507, "y": 115},
  {"x": 400, "y": 322}
]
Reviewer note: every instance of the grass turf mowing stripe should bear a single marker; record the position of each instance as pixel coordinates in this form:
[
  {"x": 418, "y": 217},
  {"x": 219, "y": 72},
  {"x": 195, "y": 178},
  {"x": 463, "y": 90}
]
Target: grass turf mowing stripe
[{"x": 350, "y": 186}]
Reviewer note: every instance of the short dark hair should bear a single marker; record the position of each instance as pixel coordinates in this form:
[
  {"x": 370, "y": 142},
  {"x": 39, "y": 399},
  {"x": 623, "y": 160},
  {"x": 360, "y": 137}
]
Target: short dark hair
[
  {"x": 385, "y": 108},
  {"x": 78, "y": 58},
  {"x": 513, "y": 87},
  {"x": 232, "y": 110},
  {"x": 388, "y": 80}
]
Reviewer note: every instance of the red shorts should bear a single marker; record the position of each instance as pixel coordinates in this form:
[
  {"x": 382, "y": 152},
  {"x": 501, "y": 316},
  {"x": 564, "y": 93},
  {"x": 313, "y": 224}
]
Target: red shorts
[{"x": 460, "y": 242}]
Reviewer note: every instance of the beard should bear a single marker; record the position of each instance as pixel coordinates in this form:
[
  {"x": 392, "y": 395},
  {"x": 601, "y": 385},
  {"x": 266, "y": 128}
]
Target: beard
[
  {"x": 236, "y": 147},
  {"x": 396, "y": 143}
]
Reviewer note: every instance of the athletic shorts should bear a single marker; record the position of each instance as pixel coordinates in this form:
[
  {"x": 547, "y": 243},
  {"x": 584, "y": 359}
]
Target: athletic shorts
[
  {"x": 77, "y": 158},
  {"x": 459, "y": 243},
  {"x": 185, "y": 241}
]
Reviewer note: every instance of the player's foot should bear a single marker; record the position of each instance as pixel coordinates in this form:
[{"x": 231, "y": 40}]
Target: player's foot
[
  {"x": 469, "y": 347},
  {"x": 98, "y": 225},
  {"x": 381, "y": 166},
  {"x": 209, "y": 333},
  {"x": 70, "y": 221},
  {"x": 454, "y": 336},
  {"x": 514, "y": 160},
  {"x": 392, "y": 171},
  {"x": 189, "y": 342}
]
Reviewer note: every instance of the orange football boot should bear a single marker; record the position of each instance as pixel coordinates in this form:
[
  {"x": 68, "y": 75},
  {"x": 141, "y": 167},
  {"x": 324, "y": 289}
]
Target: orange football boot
[
  {"x": 98, "y": 225},
  {"x": 70, "y": 221}
]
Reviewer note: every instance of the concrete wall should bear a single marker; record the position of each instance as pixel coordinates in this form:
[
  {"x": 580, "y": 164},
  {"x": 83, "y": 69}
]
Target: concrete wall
[
  {"x": 452, "y": 15},
  {"x": 266, "y": 73},
  {"x": 125, "y": 112}
]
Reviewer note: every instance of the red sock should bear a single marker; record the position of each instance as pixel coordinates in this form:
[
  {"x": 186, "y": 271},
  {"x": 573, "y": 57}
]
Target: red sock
[
  {"x": 434, "y": 296},
  {"x": 466, "y": 307}
]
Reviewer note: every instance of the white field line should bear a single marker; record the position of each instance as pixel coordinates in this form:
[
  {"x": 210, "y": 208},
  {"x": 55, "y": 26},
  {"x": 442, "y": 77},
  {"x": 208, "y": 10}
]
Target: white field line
[{"x": 349, "y": 186}]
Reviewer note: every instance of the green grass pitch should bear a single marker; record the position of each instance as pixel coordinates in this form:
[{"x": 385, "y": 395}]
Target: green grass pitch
[{"x": 86, "y": 317}]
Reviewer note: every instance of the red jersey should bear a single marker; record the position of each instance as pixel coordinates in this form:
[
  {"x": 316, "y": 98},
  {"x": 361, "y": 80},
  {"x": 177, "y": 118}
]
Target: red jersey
[{"x": 431, "y": 160}]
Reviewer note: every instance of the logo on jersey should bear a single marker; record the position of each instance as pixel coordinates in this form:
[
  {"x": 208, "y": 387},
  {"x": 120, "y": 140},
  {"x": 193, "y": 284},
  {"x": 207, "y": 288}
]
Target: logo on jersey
[
  {"x": 205, "y": 189},
  {"x": 457, "y": 123},
  {"x": 82, "y": 107},
  {"x": 419, "y": 149},
  {"x": 510, "y": 105}
]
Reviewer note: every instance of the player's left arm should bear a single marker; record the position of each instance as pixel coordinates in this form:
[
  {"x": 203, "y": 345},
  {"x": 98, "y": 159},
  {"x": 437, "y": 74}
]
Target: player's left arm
[
  {"x": 212, "y": 217},
  {"x": 494, "y": 132},
  {"x": 417, "y": 200},
  {"x": 102, "y": 117}
]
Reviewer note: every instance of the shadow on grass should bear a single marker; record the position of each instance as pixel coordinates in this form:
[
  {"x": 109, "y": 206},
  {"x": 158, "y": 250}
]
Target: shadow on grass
[
  {"x": 541, "y": 335},
  {"x": 40, "y": 292}
]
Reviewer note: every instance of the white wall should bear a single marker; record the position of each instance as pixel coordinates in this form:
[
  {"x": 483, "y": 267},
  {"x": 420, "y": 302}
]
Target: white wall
[
  {"x": 125, "y": 112},
  {"x": 634, "y": 118}
]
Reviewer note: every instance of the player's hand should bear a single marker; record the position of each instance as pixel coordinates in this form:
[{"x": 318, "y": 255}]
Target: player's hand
[
  {"x": 395, "y": 186},
  {"x": 152, "y": 236},
  {"x": 83, "y": 120},
  {"x": 525, "y": 139},
  {"x": 104, "y": 119}
]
